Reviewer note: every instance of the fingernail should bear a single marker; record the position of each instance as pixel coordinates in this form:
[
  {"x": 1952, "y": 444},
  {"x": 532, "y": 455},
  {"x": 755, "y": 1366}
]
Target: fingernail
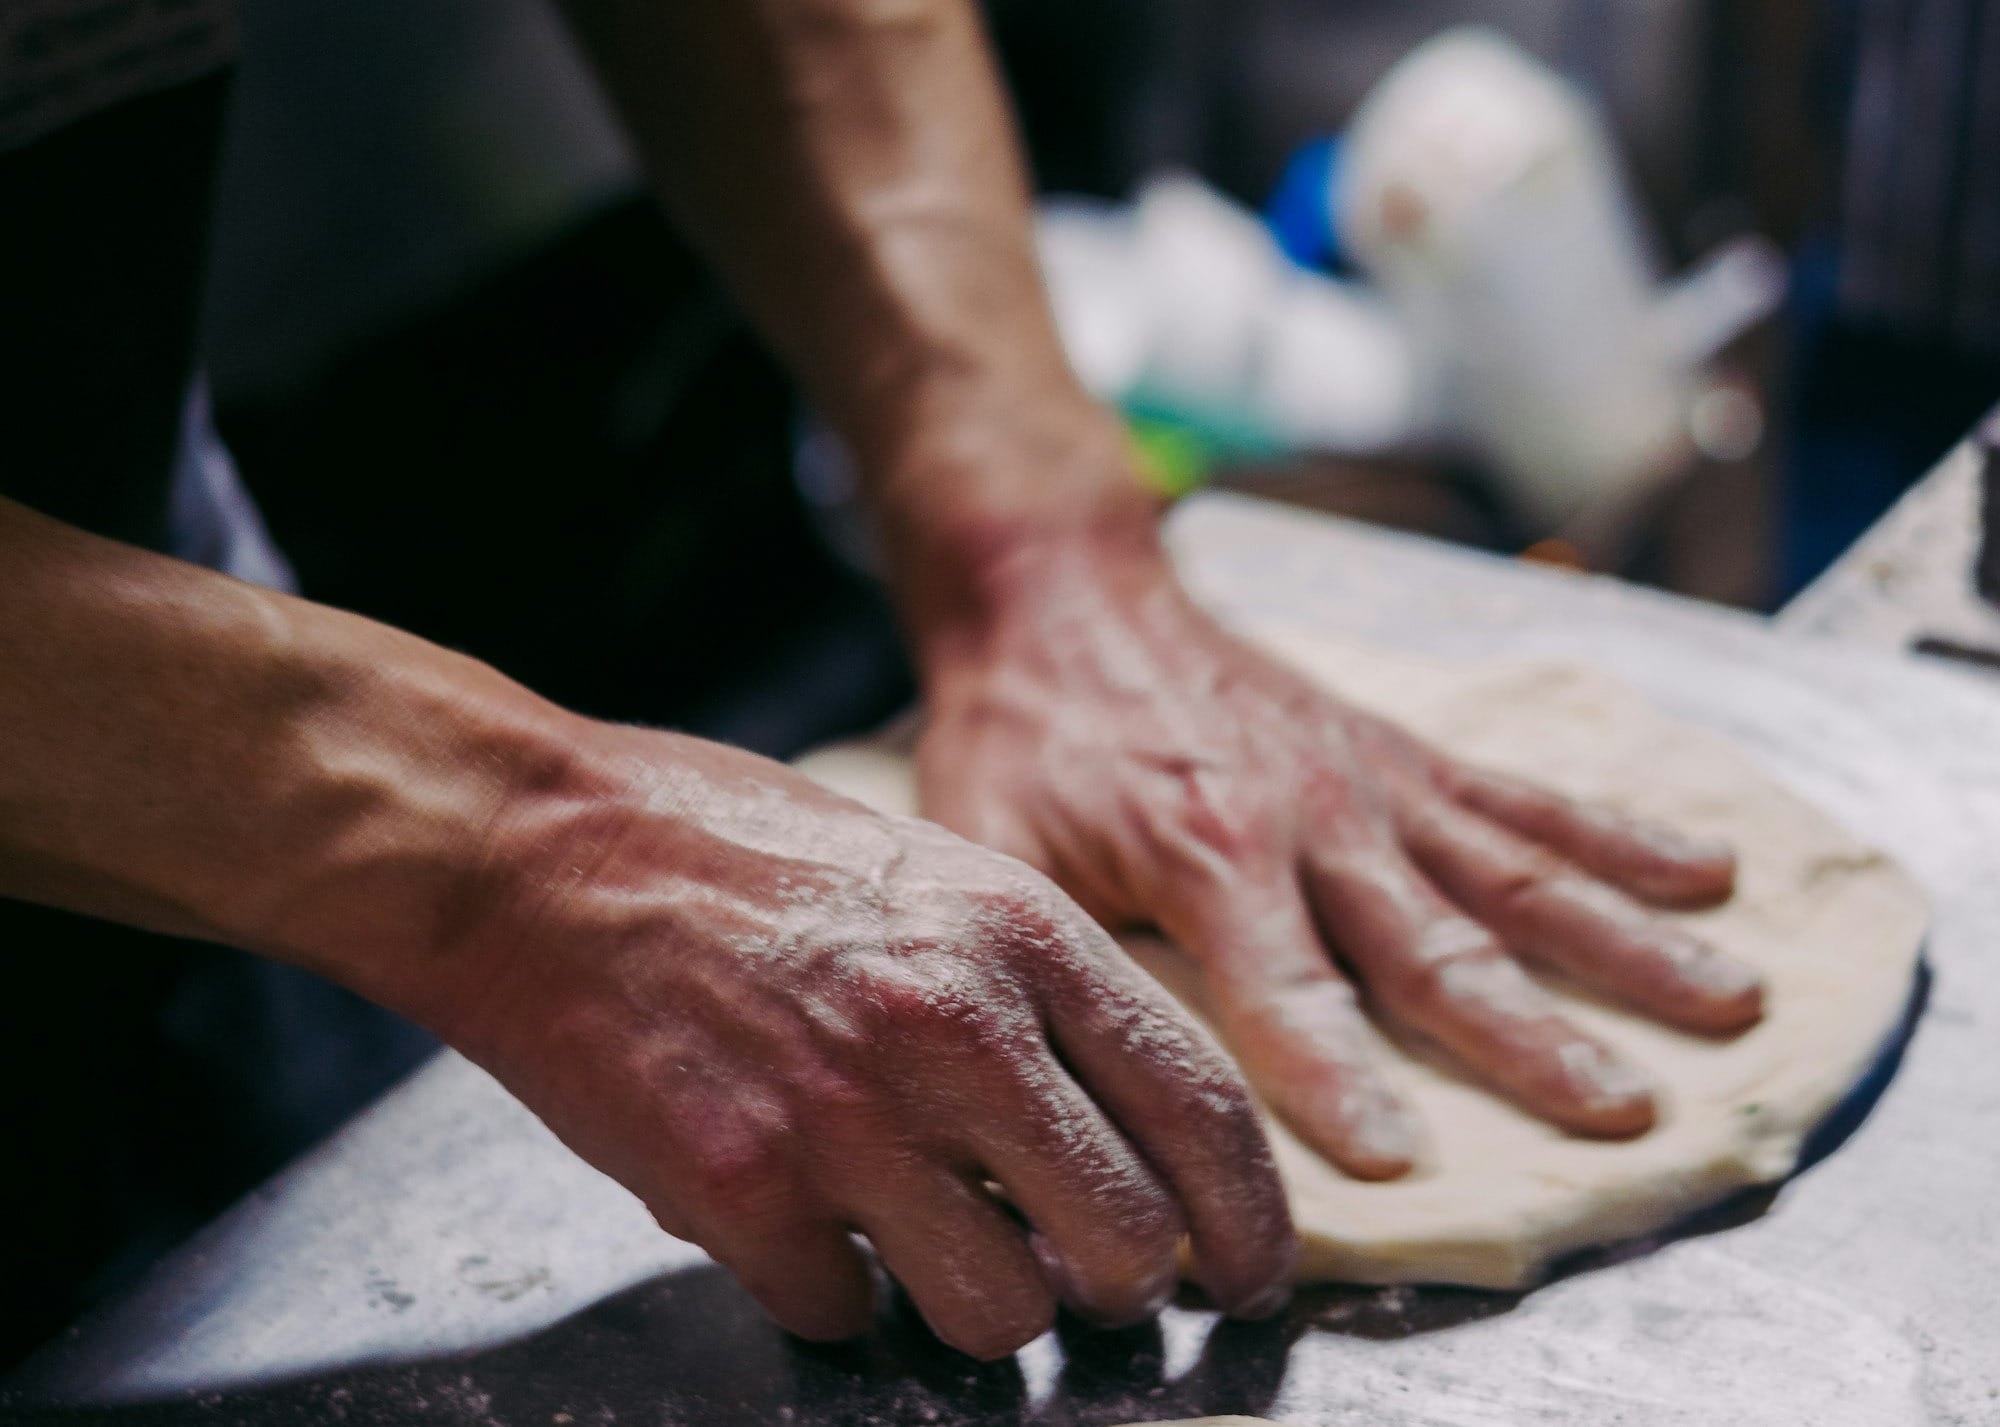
[
  {"x": 1389, "y": 1134},
  {"x": 1603, "y": 1078},
  {"x": 1686, "y": 847},
  {"x": 1723, "y": 975}
]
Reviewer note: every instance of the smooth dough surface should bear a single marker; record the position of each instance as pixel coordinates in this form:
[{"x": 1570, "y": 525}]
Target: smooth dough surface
[{"x": 1833, "y": 924}]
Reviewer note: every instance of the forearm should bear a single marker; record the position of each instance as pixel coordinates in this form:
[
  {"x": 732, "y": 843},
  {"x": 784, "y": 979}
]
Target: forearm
[
  {"x": 192, "y": 754},
  {"x": 851, "y": 167}
]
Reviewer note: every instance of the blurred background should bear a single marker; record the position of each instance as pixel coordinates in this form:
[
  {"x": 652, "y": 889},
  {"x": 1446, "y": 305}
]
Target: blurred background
[
  {"x": 1684, "y": 291},
  {"x": 439, "y": 289}
]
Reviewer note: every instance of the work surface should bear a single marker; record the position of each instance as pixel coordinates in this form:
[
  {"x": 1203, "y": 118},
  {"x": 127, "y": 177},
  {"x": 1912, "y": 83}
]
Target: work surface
[{"x": 444, "y": 1260}]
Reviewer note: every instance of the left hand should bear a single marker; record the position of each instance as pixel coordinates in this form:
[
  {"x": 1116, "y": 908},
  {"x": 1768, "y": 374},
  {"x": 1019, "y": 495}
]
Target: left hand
[{"x": 1105, "y": 730}]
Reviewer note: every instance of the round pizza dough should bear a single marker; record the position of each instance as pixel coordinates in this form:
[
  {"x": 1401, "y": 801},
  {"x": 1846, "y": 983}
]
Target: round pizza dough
[{"x": 1834, "y": 925}]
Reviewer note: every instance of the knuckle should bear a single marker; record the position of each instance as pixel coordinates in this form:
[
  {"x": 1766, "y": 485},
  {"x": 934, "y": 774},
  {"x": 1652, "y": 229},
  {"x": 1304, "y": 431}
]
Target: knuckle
[
  {"x": 1041, "y": 934},
  {"x": 1345, "y": 806},
  {"x": 894, "y": 997},
  {"x": 1447, "y": 955},
  {"x": 1025, "y": 909},
  {"x": 1451, "y": 778},
  {"x": 935, "y": 1008},
  {"x": 1427, "y": 823},
  {"x": 1527, "y": 885},
  {"x": 1360, "y": 881},
  {"x": 1234, "y": 831},
  {"x": 743, "y": 1166},
  {"x": 845, "y": 1024},
  {"x": 835, "y": 1089}
]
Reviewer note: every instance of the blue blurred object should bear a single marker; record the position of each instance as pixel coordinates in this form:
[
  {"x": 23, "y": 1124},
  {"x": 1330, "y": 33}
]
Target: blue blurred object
[{"x": 1300, "y": 212}]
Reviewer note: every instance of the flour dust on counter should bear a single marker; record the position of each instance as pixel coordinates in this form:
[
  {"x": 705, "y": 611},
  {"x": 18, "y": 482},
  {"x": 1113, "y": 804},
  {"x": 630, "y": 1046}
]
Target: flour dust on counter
[{"x": 1833, "y": 925}]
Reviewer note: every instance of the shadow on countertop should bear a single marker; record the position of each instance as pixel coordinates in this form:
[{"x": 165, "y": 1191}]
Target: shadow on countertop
[{"x": 692, "y": 1347}]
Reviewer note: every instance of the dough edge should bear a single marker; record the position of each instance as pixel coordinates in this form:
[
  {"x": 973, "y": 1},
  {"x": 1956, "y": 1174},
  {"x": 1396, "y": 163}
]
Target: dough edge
[{"x": 1507, "y": 714}]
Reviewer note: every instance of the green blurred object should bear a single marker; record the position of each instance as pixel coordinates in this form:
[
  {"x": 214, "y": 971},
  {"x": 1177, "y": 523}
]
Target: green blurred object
[
  {"x": 1173, "y": 460},
  {"x": 1178, "y": 455}
]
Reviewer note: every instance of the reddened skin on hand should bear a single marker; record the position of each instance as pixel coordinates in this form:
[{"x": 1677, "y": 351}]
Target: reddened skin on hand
[
  {"x": 1314, "y": 859},
  {"x": 785, "y": 1021}
]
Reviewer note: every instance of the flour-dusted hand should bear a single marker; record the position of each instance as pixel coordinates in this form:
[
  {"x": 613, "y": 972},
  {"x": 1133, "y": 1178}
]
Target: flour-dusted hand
[
  {"x": 783, "y": 1020},
  {"x": 1163, "y": 772},
  {"x": 780, "y": 1019}
]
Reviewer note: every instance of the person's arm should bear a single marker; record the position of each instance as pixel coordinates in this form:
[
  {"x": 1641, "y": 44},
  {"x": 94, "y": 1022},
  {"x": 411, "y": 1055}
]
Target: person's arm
[
  {"x": 850, "y": 165},
  {"x": 852, "y": 168},
  {"x": 762, "y": 1008},
  {"x": 188, "y": 753}
]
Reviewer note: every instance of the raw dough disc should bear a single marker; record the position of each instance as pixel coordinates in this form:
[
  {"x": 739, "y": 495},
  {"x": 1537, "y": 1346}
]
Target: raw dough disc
[{"x": 1834, "y": 925}]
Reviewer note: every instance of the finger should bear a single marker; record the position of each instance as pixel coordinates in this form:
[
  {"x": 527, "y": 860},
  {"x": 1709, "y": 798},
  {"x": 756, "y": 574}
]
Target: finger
[
  {"x": 1107, "y": 1227},
  {"x": 963, "y": 1262},
  {"x": 1443, "y": 974},
  {"x": 1542, "y": 907},
  {"x": 811, "y": 1278},
  {"x": 1166, "y": 1083},
  {"x": 1653, "y": 863},
  {"x": 1297, "y": 1027}
]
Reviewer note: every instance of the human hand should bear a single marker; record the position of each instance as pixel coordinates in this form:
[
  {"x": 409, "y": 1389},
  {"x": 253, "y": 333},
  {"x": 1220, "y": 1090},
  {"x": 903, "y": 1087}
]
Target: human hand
[
  {"x": 1163, "y": 772},
  {"x": 781, "y": 1020},
  {"x": 775, "y": 1016}
]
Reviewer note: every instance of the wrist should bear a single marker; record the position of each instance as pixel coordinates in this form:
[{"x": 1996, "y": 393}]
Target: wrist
[
  {"x": 1033, "y": 591},
  {"x": 983, "y": 518},
  {"x": 385, "y": 790},
  {"x": 191, "y": 754}
]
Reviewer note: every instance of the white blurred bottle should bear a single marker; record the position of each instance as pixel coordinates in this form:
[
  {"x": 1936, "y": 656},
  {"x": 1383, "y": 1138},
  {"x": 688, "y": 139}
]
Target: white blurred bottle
[
  {"x": 1479, "y": 191},
  {"x": 1182, "y": 306}
]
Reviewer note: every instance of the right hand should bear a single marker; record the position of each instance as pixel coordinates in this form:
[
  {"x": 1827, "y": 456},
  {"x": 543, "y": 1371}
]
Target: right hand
[{"x": 783, "y": 1020}]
